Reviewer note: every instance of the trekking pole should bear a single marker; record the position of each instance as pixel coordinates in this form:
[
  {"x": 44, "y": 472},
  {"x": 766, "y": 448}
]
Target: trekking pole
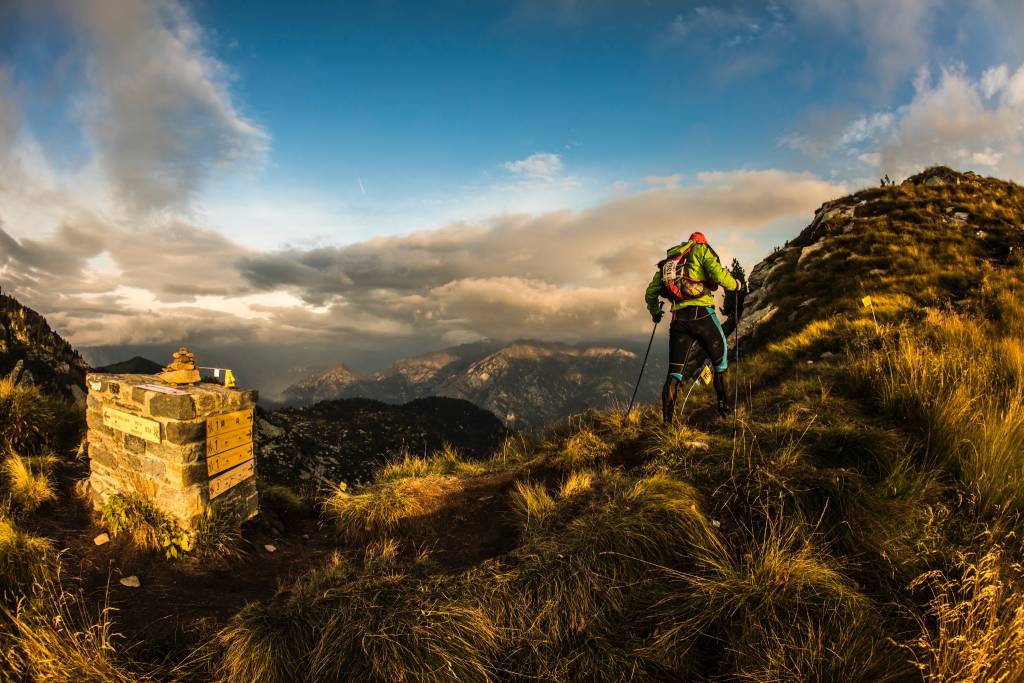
[
  {"x": 644, "y": 365},
  {"x": 736, "y": 382}
]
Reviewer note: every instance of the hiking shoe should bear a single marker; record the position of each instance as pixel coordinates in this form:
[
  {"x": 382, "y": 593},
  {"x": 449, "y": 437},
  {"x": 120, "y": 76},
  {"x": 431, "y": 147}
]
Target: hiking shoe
[{"x": 724, "y": 409}]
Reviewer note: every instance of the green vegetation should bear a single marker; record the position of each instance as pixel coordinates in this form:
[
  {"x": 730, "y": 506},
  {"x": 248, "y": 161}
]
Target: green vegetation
[
  {"x": 144, "y": 524},
  {"x": 217, "y": 537},
  {"x": 858, "y": 521}
]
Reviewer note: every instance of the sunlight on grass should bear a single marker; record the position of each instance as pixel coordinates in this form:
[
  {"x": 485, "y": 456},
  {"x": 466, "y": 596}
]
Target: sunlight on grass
[{"x": 28, "y": 481}]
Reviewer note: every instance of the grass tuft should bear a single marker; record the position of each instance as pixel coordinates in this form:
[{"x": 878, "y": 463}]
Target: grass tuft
[
  {"x": 26, "y": 418},
  {"x": 581, "y": 448},
  {"x": 576, "y": 483},
  {"x": 358, "y": 516},
  {"x": 25, "y": 561},
  {"x": 533, "y": 505},
  {"x": 446, "y": 462},
  {"x": 28, "y": 481},
  {"x": 218, "y": 537},
  {"x": 973, "y": 629}
]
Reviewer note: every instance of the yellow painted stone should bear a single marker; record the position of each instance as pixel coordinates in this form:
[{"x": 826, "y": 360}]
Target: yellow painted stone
[
  {"x": 228, "y": 422},
  {"x": 227, "y": 459},
  {"x": 131, "y": 424},
  {"x": 231, "y": 478}
]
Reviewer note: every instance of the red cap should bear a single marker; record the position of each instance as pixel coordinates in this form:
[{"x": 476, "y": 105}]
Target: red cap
[{"x": 699, "y": 238}]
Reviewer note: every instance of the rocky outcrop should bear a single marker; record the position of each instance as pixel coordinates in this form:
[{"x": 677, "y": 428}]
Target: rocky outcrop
[
  {"x": 345, "y": 440},
  {"x": 826, "y": 267},
  {"x": 32, "y": 353}
]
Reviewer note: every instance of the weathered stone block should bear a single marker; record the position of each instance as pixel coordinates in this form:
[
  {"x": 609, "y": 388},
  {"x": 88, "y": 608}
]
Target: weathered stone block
[
  {"x": 154, "y": 467},
  {"x": 185, "y": 432},
  {"x": 187, "y": 474},
  {"x": 172, "y": 472},
  {"x": 134, "y": 444},
  {"x": 172, "y": 406},
  {"x": 190, "y": 452}
]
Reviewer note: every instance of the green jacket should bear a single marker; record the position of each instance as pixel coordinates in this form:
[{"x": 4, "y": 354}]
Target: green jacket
[{"x": 703, "y": 266}]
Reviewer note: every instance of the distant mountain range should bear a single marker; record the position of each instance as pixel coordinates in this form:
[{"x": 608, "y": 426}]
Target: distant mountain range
[{"x": 526, "y": 383}]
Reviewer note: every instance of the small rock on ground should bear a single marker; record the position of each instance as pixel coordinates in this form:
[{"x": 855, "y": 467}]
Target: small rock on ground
[
  {"x": 270, "y": 548},
  {"x": 101, "y": 539},
  {"x": 131, "y": 581}
]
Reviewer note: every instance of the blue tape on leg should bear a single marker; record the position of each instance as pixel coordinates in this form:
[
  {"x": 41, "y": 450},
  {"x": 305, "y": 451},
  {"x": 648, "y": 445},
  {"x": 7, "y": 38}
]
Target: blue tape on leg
[
  {"x": 677, "y": 376},
  {"x": 724, "y": 363}
]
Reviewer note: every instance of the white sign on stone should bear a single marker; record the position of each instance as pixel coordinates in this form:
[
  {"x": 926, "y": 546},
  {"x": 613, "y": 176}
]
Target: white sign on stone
[
  {"x": 163, "y": 390},
  {"x": 141, "y": 427}
]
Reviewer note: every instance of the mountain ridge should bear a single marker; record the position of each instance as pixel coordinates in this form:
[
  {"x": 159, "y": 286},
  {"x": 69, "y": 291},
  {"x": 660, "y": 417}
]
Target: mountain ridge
[
  {"x": 526, "y": 382},
  {"x": 31, "y": 352}
]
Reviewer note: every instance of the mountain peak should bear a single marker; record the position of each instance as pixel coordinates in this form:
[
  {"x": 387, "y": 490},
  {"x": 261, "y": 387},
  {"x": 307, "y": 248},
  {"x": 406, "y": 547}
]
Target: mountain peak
[{"x": 865, "y": 243}]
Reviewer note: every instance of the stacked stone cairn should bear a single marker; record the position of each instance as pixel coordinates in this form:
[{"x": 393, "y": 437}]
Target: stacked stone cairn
[{"x": 187, "y": 448}]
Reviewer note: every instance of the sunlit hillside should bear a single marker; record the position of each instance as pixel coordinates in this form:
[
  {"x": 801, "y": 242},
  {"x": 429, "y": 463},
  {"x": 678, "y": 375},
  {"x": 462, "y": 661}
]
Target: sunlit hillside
[{"x": 859, "y": 519}]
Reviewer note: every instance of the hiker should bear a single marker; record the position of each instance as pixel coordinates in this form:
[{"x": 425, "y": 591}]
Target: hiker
[{"x": 687, "y": 277}]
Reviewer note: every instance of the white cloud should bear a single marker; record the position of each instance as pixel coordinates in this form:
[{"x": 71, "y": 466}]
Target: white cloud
[
  {"x": 561, "y": 274},
  {"x": 539, "y": 165},
  {"x": 558, "y": 275},
  {"x": 159, "y": 114},
  {"x": 951, "y": 119},
  {"x": 994, "y": 80}
]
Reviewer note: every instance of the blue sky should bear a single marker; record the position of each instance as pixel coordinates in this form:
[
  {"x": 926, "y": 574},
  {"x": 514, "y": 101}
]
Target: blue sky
[{"x": 355, "y": 181}]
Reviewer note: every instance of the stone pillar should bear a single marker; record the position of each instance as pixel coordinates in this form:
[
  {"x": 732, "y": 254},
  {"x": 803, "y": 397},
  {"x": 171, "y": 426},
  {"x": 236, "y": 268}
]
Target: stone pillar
[{"x": 186, "y": 448}]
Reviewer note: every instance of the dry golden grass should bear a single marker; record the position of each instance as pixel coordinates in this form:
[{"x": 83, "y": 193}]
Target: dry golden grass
[
  {"x": 54, "y": 639},
  {"x": 576, "y": 483},
  {"x": 382, "y": 508},
  {"x": 27, "y": 418},
  {"x": 446, "y": 462},
  {"x": 25, "y": 561},
  {"x": 581, "y": 448},
  {"x": 533, "y": 506},
  {"x": 974, "y": 626},
  {"x": 28, "y": 480}
]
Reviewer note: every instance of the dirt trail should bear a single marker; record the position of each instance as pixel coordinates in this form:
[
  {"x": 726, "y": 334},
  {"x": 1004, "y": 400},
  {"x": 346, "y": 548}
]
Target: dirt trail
[{"x": 182, "y": 602}]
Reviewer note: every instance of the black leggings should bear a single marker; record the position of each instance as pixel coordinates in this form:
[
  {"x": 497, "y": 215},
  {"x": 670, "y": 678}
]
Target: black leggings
[{"x": 694, "y": 324}]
